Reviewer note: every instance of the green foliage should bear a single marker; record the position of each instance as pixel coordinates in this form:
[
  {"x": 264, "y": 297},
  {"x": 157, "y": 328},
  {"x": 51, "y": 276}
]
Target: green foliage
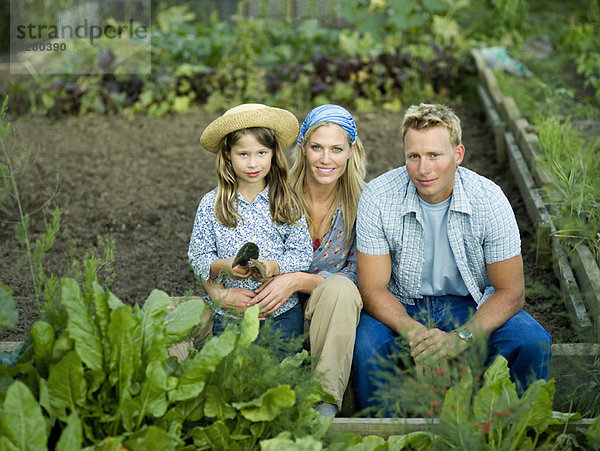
[
  {"x": 573, "y": 165},
  {"x": 8, "y": 313},
  {"x": 106, "y": 377},
  {"x": 382, "y": 18},
  {"x": 216, "y": 64},
  {"x": 493, "y": 417},
  {"x": 582, "y": 40},
  {"x": 586, "y": 397},
  {"x": 502, "y": 22}
]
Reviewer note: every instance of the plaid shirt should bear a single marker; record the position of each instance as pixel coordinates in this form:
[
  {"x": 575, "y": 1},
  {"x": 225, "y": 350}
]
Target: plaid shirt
[{"x": 482, "y": 229}]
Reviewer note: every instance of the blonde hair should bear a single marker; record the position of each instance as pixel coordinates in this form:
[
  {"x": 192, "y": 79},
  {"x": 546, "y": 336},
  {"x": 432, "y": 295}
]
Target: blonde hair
[
  {"x": 349, "y": 186},
  {"x": 425, "y": 116},
  {"x": 283, "y": 202}
]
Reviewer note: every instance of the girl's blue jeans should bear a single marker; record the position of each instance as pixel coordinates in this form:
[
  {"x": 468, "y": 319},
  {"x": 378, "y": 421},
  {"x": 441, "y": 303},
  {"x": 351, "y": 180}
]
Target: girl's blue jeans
[
  {"x": 289, "y": 325},
  {"x": 521, "y": 340}
]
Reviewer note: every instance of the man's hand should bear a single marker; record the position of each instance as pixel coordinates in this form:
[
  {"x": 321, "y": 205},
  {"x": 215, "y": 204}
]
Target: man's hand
[{"x": 429, "y": 346}]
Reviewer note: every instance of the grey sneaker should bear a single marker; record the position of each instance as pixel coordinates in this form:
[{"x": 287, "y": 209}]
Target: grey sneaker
[{"x": 327, "y": 410}]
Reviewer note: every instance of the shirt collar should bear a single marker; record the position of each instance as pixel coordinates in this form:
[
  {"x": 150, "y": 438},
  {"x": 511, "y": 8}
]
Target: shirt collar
[
  {"x": 263, "y": 195},
  {"x": 458, "y": 202}
]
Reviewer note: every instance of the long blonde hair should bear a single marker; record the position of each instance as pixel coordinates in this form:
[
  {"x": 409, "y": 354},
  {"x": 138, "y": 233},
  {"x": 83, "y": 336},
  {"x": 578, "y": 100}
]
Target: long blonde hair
[
  {"x": 283, "y": 202},
  {"x": 349, "y": 185}
]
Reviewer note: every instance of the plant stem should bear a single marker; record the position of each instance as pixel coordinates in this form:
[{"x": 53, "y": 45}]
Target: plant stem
[{"x": 23, "y": 222}]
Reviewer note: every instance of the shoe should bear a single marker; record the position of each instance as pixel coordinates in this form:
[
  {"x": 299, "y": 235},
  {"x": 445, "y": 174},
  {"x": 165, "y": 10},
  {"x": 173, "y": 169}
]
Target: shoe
[{"x": 327, "y": 410}]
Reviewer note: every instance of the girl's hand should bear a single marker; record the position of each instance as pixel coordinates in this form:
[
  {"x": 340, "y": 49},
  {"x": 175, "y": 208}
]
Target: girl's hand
[
  {"x": 239, "y": 271},
  {"x": 273, "y": 293},
  {"x": 271, "y": 269},
  {"x": 237, "y": 299}
]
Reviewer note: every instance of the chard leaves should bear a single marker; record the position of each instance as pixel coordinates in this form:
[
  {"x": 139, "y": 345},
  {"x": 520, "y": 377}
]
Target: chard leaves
[
  {"x": 23, "y": 424},
  {"x": 67, "y": 387},
  {"x": 81, "y": 327},
  {"x": 152, "y": 327},
  {"x": 42, "y": 335},
  {"x": 125, "y": 355},
  {"x": 72, "y": 436},
  {"x": 183, "y": 319},
  {"x": 269, "y": 405},
  {"x": 198, "y": 368}
]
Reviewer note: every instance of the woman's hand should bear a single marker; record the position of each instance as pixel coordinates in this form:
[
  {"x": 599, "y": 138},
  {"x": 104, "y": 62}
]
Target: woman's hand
[{"x": 273, "y": 293}]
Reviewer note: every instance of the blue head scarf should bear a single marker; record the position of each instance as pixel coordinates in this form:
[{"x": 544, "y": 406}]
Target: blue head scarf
[{"x": 330, "y": 113}]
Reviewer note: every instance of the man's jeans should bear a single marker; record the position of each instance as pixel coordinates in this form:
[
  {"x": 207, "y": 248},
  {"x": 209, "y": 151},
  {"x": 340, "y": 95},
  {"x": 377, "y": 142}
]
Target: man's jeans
[{"x": 521, "y": 340}]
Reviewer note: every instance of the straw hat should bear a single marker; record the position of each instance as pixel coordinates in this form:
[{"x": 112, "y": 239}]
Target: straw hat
[{"x": 249, "y": 115}]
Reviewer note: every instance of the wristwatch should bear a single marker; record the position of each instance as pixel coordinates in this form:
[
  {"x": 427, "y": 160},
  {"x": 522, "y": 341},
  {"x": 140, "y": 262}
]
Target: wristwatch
[{"x": 464, "y": 334}]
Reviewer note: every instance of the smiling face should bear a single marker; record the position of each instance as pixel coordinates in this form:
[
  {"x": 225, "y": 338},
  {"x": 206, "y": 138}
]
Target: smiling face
[
  {"x": 327, "y": 152},
  {"x": 431, "y": 162},
  {"x": 251, "y": 162}
]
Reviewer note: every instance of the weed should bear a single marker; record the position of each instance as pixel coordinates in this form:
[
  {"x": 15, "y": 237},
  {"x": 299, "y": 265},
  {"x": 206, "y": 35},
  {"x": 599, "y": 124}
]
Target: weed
[{"x": 11, "y": 203}]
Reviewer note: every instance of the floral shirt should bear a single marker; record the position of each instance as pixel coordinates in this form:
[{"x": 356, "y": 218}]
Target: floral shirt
[
  {"x": 333, "y": 257},
  {"x": 289, "y": 245}
]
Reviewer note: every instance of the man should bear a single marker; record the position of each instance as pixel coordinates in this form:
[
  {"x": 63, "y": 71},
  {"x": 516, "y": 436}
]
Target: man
[{"x": 439, "y": 244}]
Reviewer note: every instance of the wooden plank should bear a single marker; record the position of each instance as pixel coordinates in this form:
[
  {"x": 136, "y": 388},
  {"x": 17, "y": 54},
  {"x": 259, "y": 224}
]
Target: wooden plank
[
  {"x": 9, "y": 346},
  {"x": 528, "y": 144},
  {"x": 385, "y": 427},
  {"x": 496, "y": 121},
  {"x": 576, "y": 349},
  {"x": 534, "y": 204},
  {"x": 509, "y": 110},
  {"x": 568, "y": 285},
  {"x": 587, "y": 274},
  {"x": 382, "y": 427}
]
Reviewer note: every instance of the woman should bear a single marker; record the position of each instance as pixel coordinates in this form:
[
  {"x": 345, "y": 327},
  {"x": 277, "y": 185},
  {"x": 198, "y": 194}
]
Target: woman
[{"x": 328, "y": 173}]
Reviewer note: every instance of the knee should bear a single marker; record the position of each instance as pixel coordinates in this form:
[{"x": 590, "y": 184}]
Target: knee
[
  {"x": 339, "y": 289},
  {"x": 537, "y": 343}
]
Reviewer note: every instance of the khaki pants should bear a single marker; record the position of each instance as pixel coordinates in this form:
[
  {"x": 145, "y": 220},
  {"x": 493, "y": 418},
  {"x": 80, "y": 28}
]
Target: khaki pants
[{"x": 331, "y": 315}]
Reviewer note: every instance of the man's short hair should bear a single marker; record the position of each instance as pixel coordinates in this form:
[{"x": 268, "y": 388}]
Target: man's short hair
[{"x": 424, "y": 116}]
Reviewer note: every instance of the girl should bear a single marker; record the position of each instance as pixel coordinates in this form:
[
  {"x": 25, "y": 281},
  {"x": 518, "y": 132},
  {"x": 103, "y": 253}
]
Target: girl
[
  {"x": 328, "y": 173},
  {"x": 252, "y": 202}
]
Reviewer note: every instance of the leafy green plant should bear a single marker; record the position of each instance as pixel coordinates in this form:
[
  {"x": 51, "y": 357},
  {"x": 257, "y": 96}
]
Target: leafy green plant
[
  {"x": 106, "y": 379},
  {"x": 383, "y": 18},
  {"x": 582, "y": 40},
  {"x": 494, "y": 417},
  {"x": 501, "y": 22}
]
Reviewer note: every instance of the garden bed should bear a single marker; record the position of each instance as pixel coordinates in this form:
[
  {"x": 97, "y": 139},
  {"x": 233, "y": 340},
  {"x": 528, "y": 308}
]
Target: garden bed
[{"x": 517, "y": 145}]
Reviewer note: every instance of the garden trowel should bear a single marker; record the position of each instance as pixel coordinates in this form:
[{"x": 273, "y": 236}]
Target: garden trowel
[{"x": 249, "y": 252}]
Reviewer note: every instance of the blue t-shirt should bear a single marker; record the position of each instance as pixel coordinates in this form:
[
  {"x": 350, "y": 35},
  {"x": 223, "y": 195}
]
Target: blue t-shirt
[{"x": 440, "y": 274}]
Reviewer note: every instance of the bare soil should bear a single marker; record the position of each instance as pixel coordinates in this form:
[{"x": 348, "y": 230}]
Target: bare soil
[{"x": 139, "y": 182}]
